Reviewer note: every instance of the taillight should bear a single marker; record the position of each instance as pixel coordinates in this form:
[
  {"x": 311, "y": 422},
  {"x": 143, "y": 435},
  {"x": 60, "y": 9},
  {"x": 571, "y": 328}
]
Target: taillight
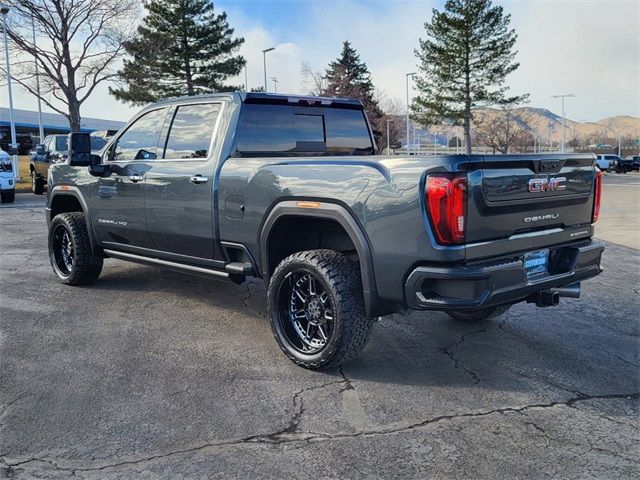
[
  {"x": 597, "y": 196},
  {"x": 446, "y": 198}
]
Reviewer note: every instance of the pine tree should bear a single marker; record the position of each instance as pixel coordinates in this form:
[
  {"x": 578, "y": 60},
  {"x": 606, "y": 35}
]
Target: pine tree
[
  {"x": 468, "y": 53},
  {"x": 183, "y": 48},
  {"x": 347, "y": 76}
]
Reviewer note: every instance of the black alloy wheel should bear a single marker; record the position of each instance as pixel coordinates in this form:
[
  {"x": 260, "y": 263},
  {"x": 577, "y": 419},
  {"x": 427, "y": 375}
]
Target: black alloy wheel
[{"x": 305, "y": 311}]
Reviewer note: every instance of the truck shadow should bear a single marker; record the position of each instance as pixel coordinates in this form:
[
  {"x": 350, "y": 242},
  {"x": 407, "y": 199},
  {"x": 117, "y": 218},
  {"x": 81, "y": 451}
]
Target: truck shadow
[{"x": 567, "y": 350}]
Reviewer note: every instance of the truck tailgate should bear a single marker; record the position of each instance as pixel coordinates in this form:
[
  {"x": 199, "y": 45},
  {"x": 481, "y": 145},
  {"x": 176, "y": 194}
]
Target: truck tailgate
[{"x": 510, "y": 195}]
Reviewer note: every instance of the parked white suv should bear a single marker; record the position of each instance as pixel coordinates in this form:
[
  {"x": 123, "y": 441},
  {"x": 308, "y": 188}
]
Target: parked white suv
[{"x": 7, "y": 184}]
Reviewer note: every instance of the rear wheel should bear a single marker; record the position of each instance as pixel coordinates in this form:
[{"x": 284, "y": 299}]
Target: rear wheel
[
  {"x": 316, "y": 308},
  {"x": 8, "y": 196},
  {"x": 478, "y": 315},
  {"x": 70, "y": 252},
  {"x": 37, "y": 183}
]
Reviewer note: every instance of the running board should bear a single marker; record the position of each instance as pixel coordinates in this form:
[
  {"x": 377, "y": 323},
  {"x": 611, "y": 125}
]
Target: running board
[{"x": 180, "y": 267}]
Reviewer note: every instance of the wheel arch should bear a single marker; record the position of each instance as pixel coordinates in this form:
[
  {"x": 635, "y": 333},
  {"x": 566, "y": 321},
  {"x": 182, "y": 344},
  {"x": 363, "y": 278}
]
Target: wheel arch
[
  {"x": 65, "y": 198},
  {"x": 322, "y": 211}
]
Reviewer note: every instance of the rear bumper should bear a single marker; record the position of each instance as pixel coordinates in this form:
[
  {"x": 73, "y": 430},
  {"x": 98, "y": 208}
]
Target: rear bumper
[
  {"x": 6, "y": 181},
  {"x": 499, "y": 281}
]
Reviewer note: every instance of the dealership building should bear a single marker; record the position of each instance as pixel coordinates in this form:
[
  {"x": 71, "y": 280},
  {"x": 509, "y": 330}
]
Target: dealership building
[{"x": 27, "y": 127}]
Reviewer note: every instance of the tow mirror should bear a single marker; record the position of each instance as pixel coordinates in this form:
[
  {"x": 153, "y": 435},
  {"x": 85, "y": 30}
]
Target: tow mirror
[
  {"x": 97, "y": 168},
  {"x": 79, "y": 149}
]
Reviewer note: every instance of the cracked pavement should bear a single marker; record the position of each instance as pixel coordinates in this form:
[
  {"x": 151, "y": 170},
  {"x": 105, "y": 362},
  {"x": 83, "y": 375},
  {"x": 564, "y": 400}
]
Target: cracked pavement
[{"x": 154, "y": 374}]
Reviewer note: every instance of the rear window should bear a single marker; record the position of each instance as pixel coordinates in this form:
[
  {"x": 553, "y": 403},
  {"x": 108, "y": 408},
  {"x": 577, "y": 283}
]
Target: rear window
[
  {"x": 61, "y": 144},
  {"x": 285, "y": 130},
  {"x": 97, "y": 143}
]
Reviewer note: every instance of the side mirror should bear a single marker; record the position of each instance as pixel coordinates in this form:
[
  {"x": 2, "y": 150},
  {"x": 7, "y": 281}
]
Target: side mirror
[
  {"x": 97, "y": 168},
  {"x": 79, "y": 149}
]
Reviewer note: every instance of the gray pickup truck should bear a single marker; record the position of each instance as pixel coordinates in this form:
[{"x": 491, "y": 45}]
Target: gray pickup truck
[{"x": 289, "y": 189}]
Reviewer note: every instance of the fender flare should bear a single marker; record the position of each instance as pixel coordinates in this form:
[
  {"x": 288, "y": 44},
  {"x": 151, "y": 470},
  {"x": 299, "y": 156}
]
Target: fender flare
[
  {"x": 71, "y": 191},
  {"x": 338, "y": 213}
]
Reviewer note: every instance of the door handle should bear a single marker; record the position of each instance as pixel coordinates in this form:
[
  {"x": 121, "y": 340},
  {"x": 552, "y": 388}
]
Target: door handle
[
  {"x": 198, "y": 179},
  {"x": 135, "y": 178}
]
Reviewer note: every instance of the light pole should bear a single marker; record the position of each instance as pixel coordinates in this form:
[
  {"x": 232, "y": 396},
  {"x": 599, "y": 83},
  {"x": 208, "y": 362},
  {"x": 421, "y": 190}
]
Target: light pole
[
  {"x": 4, "y": 11},
  {"x": 408, "y": 75},
  {"x": 275, "y": 84},
  {"x": 563, "y": 96},
  {"x": 264, "y": 63},
  {"x": 35, "y": 61},
  {"x": 246, "y": 79},
  {"x": 388, "y": 138}
]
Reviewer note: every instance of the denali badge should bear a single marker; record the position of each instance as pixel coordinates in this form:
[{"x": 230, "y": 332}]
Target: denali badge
[
  {"x": 547, "y": 184},
  {"x": 539, "y": 218}
]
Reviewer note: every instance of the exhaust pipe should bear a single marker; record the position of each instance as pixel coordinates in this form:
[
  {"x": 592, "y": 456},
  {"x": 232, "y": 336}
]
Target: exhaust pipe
[
  {"x": 551, "y": 296},
  {"x": 569, "y": 291}
]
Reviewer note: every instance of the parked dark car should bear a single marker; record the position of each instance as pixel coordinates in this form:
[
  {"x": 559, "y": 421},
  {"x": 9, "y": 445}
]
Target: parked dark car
[
  {"x": 53, "y": 150},
  {"x": 290, "y": 190},
  {"x": 622, "y": 165}
]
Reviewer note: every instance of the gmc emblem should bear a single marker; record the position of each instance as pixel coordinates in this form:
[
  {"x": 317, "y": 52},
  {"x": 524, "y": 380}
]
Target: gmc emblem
[{"x": 547, "y": 184}]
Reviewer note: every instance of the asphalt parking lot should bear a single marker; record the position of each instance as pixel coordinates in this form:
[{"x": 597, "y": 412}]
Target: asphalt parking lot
[{"x": 154, "y": 374}]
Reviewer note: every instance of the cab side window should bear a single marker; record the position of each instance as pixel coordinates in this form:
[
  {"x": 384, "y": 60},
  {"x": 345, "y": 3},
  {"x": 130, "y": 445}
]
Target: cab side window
[
  {"x": 191, "y": 130},
  {"x": 140, "y": 140}
]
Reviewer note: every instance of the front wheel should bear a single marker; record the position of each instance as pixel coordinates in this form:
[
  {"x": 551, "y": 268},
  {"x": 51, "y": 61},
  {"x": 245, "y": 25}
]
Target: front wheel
[
  {"x": 478, "y": 315},
  {"x": 316, "y": 308},
  {"x": 37, "y": 183},
  {"x": 70, "y": 252}
]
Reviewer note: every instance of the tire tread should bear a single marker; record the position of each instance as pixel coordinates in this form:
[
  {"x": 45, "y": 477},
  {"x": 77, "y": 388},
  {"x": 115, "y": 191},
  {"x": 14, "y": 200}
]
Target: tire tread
[
  {"x": 87, "y": 265},
  {"x": 343, "y": 276}
]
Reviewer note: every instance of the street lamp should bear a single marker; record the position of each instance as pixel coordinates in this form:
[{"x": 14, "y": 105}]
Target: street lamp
[
  {"x": 14, "y": 146},
  {"x": 408, "y": 75},
  {"x": 388, "y": 138},
  {"x": 246, "y": 79},
  {"x": 563, "y": 116},
  {"x": 35, "y": 61},
  {"x": 275, "y": 84},
  {"x": 264, "y": 63}
]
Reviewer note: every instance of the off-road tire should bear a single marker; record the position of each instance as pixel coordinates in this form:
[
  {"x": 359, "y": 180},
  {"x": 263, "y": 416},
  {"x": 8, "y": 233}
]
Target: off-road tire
[
  {"x": 86, "y": 265},
  {"x": 37, "y": 184},
  {"x": 479, "y": 315},
  {"x": 340, "y": 278},
  {"x": 8, "y": 196}
]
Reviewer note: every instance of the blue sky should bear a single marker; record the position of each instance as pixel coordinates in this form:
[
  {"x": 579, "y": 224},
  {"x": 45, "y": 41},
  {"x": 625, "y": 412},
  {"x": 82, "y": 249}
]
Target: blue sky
[{"x": 587, "y": 47}]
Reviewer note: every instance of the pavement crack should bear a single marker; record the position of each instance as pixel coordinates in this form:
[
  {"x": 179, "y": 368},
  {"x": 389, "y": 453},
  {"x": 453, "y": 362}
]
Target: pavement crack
[
  {"x": 5, "y": 408},
  {"x": 347, "y": 383},
  {"x": 448, "y": 351},
  {"x": 291, "y": 433},
  {"x": 621, "y": 359}
]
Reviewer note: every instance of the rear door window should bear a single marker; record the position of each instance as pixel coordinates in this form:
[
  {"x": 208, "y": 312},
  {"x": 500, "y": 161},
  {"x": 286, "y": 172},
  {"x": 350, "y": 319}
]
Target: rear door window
[{"x": 191, "y": 131}]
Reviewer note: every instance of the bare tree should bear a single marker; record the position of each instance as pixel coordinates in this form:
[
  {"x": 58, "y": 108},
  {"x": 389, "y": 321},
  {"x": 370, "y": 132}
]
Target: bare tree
[
  {"x": 502, "y": 130},
  {"x": 313, "y": 81},
  {"x": 392, "y": 109},
  {"x": 78, "y": 43}
]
